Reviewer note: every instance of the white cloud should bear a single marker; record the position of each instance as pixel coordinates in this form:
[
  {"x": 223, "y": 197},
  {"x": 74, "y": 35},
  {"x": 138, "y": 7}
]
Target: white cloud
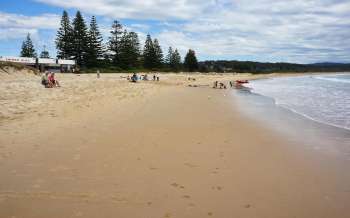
[
  {"x": 15, "y": 33},
  {"x": 44, "y": 21},
  {"x": 227, "y": 28},
  {"x": 298, "y": 30},
  {"x": 17, "y": 26},
  {"x": 146, "y": 9},
  {"x": 142, "y": 27}
]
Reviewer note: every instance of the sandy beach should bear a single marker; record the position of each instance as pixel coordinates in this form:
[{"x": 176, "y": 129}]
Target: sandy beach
[{"x": 110, "y": 148}]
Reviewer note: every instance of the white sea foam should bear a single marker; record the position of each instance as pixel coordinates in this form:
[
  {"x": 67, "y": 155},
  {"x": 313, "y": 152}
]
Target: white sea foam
[
  {"x": 332, "y": 79},
  {"x": 324, "y": 99}
]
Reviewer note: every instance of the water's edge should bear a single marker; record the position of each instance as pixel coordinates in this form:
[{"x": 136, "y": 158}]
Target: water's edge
[
  {"x": 306, "y": 132},
  {"x": 321, "y": 98}
]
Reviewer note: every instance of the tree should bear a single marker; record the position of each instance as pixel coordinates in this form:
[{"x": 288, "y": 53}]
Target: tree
[
  {"x": 134, "y": 49},
  {"x": 129, "y": 51},
  {"x": 95, "y": 47},
  {"x": 28, "y": 48},
  {"x": 114, "y": 41},
  {"x": 158, "y": 54},
  {"x": 149, "y": 55},
  {"x": 173, "y": 59},
  {"x": 175, "y": 63},
  {"x": 44, "y": 53},
  {"x": 80, "y": 40},
  {"x": 191, "y": 63},
  {"x": 64, "y": 38},
  {"x": 169, "y": 56}
]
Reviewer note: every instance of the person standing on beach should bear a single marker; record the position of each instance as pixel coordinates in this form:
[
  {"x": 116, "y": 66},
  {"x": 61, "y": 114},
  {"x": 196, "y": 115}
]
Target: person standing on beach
[{"x": 98, "y": 73}]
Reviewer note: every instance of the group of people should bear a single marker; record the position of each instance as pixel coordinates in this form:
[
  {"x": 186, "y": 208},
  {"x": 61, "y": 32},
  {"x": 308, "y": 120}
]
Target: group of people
[
  {"x": 236, "y": 84},
  {"x": 49, "y": 81},
  {"x": 134, "y": 78},
  {"x": 219, "y": 85}
]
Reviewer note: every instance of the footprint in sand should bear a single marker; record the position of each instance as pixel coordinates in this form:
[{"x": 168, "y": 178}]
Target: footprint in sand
[
  {"x": 6, "y": 154},
  {"x": 78, "y": 214},
  {"x": 247, "y": 206},
  {"x": 186, "y": 196},
  {"x": 216, "y": 171},
  {"x": 191, "y": 205},
  {"x": 36, "y": 186},
  {"x": 219, "y": 188},
  {"x": 38, "y": 183},
  {"x": 77, "y": 157},
  {"x": 117, "y": 199},
  {"x": 36, "y": 146},
  {"x": 210, "y": 214},
  {"x": 167, "y": 215},
  {"x": 190, "y": 165},
  {"x": 175, "y": 185}
]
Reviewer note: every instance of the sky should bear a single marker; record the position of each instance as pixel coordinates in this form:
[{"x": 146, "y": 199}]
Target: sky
[{"x": 298, "y": 31}]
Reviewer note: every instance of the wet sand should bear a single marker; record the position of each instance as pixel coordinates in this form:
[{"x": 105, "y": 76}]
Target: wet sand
[{"x": 156, "y": 150}]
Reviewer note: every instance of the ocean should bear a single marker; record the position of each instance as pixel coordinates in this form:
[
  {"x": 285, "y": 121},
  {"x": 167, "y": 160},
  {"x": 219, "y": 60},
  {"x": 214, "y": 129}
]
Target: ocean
[{"x": 322, "y": 98}]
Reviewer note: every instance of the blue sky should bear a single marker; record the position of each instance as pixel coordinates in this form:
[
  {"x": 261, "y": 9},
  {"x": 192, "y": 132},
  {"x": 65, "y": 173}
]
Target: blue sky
[{"x": 302, "y": 31}]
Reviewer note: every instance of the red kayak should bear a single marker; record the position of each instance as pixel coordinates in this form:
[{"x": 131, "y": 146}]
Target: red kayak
[{"x": 242, "y": 81}]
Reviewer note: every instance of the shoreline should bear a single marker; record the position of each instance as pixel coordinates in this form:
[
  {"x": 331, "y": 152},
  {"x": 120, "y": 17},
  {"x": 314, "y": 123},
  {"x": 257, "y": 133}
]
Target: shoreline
[
  {"x": 264, "y": 110},
  {"x": 159, "y": 150},
  {"x": 306, "y": 117},
  {"x": 295, "y": 111}
]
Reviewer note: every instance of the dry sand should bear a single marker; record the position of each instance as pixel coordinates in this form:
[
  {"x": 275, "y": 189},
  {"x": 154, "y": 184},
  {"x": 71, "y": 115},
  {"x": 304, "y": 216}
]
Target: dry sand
[{"x": 109, "y": 148}]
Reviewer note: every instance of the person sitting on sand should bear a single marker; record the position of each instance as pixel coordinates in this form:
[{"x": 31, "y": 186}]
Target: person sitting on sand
[
  {"x": 222, "y": 86},
  {"x": 53, "y": 82},
  {"x": 134, "y": 78},
  {"x": 45, "y": 80}
]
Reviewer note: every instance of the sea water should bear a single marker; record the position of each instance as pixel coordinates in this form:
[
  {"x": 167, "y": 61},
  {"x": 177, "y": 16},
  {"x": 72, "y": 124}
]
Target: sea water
[{"x": 322, "y": 98}]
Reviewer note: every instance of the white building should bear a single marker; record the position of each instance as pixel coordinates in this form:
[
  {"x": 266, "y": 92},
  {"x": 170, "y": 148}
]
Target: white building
[{"x": 42, "y": 63}]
